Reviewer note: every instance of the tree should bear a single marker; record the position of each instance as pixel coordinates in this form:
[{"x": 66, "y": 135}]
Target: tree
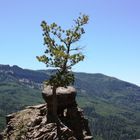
[{"x": 61, "y": 53}]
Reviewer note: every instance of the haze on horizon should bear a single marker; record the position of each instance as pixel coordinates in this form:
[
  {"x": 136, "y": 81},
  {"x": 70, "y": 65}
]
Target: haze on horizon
[{"x": 112, "y": 38}]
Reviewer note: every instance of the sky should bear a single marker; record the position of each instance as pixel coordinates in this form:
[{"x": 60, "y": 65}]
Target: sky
[{"x": 112, "y": 38}]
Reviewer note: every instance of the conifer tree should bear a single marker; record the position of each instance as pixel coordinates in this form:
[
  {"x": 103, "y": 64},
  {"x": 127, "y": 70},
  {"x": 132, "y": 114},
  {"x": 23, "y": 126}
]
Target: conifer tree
[{"x": 61, "y": 53}]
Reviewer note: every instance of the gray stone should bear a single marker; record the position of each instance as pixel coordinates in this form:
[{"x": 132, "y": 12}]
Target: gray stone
[
  {"x": 65, "y": 98},
  {"x": 32, "y": 123}
]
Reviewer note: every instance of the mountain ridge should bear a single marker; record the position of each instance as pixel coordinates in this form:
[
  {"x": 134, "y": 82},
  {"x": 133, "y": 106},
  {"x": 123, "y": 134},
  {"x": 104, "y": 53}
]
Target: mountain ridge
[
  {"x": 107, "y": 101},
  {"x": 14, "y": 67}
]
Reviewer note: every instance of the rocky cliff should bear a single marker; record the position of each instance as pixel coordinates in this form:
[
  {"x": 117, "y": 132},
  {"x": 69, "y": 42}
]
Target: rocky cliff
[{"x": 35, "y": 122}]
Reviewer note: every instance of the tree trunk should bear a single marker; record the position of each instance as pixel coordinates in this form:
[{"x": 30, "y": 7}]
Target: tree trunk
[
  {"x": 55, "y": 116},
  {"x": 54, "y": 103}
]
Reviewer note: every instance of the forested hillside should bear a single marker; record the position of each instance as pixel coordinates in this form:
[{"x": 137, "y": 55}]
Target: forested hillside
[{"x": 111, "y": 105}]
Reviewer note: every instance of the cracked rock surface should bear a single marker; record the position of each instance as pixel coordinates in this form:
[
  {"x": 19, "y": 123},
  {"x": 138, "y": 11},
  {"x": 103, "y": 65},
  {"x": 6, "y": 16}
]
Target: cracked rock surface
[{"x": 32, "y": 122}]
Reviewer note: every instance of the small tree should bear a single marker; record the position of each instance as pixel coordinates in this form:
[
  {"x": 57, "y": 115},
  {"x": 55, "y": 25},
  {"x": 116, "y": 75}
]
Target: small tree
[{"x": 61, "y": 54}]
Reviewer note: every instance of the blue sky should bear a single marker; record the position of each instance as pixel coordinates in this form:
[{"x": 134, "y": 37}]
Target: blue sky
[{"x": 112, "y": 39}]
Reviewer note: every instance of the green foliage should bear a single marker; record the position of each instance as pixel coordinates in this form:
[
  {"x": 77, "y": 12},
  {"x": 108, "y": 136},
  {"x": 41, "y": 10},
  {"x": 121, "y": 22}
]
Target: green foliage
[
  {"x": 60, "y": 52},
  {"x": 65, "y": 78},
  {"x": 112, "y": 106}
]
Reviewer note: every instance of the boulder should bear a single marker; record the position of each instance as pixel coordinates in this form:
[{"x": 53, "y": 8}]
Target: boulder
[{"x": 65, "y": 98}]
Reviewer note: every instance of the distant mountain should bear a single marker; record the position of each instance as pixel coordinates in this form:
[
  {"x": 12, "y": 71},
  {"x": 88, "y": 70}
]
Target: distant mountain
[{"x": 111, "y": 105}]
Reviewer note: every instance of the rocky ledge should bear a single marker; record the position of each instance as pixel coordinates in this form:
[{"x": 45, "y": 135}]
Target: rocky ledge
[{"x": 32, "y": 122}]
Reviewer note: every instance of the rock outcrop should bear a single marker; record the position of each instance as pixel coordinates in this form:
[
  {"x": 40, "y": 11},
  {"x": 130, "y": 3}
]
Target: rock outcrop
[
  {"x": 32, "y": 123},
  {"x": 65, "y": 100}
]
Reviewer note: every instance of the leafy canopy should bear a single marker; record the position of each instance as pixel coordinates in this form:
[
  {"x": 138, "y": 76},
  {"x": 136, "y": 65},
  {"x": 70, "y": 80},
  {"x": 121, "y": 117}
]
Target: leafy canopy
[{"x": 61, "y": 52}]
